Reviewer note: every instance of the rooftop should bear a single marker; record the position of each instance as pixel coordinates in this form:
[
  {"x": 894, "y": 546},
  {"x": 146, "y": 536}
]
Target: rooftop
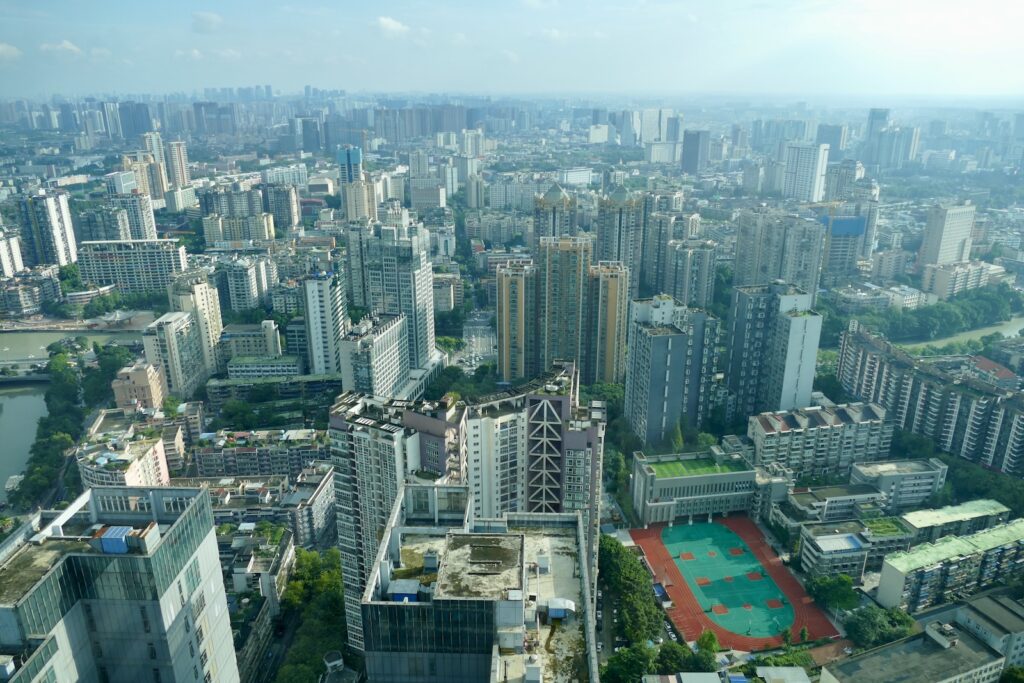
[
  {"x": 1002, "y": 613},
  {"x": 819, "y": 495},
  {"x": 917, "y": 659},
  {"x": 955, "y": 546},
  {"x": 875, "y": 469},
  {"x": 922, "y": 519},
  {"x": 480, "y": 566},
  {"x": 696, "y": 466}
]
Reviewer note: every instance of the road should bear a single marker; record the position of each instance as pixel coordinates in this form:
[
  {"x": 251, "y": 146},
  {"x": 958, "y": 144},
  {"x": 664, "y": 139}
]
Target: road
[{"x": 481, "y": 342}]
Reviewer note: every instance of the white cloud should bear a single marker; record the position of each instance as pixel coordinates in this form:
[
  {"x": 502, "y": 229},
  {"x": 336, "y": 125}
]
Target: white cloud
[
  {"x": 8, "y": 53},
  {"x": 65, "y": 46},
  {"x": 392, "y": 26},
  {"x": 511, "y": 56},
  {"x": 206, "y": 22},
  {"x": 193, "y": 54},
  {"x": 100, "y": 53}
]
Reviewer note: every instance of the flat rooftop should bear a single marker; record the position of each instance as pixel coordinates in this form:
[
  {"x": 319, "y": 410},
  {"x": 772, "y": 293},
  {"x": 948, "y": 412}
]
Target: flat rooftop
[
  {"x": 955, "y": 546},
  {"x": 820, "y": 495},
  {"x": 30, "y": 564},
  {"x": 917, "y": 659},
  {"x": 1001, "y": 613},
  {"x": 480, "y": 566},
  {"x": 895, "y": 467},
  {"x": 922, "y": 519},
  {"x": 695, "y": 467}
]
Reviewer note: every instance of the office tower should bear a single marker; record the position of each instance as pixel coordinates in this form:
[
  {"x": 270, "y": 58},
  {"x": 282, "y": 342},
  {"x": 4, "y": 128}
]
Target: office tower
[
  {"x": 696, "y": 150},
  {"x": 10, "y": 254},
  {"x": 947, "y": 235},
  {"x": 835, "y": 136},
  {"x": 139, "y": 209},
  {"x": 132, "y": 265},
  {"x": 166, "y": 616},
  {"x": 554, "y": 215},
  {"x": 112, "y": 120},
  {"x": 659, "y": 230},
  {"x": 46, "y": 230},
  {"x": 776, "y": 246},
  {"x": 101, "y": 224},
  {"x": 135, "y": 119},
  {"x": 154, "y": 144},
  {"x": 326, "y": 321},
  {"x": 174, "y": 343},
  {"x": 357, "y": 259},
  {"x": 772, "y": 348},
  {"x": 249, "y": 280},
  {"x": 375, "y": 356},
  {"x": 804, "y": 177},
  {"x": 670, "y": 367},
  {"x": 120, "y": 182},
  {"x": 689, "y": 271},
  {"x": 621, "y": 219},
  {"x": 878, "y": 120},
  {"x": 517, "y": 322},
  {"x": 191, "y": 292},
  {"x": 360, "y": 201},
  {"x": 431, "y": 516},
  {"x": 864, "y": 196},
  {"x": 350, "y": 162},
  {"x": 563, "y": 271},
  {"x": 282, "y": 202},
  {"x": 177, "y": 164},
  {"x": 604, "y": 336}
]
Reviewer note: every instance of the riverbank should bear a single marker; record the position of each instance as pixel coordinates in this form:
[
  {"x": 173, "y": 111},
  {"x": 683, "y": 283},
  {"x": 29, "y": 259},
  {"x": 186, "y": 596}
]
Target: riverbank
[
  {"x": 133, "y": 321},
  {"x": 1010, "y": 328},
  {"x": 29, "y": 346}
]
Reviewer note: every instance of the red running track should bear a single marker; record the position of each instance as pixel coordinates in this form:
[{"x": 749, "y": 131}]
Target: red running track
[{"x": 691, "y": 620}]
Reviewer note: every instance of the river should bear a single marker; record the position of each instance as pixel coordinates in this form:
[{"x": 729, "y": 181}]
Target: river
[
  {"x": 1010, "y": 328},
  {"x": 32, "y": 345}
]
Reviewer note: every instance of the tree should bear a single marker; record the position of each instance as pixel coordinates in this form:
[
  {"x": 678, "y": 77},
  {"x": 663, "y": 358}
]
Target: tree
[
  {"x": 673, "y": 658},
  {"x": 804, "y": 634},
  {"x": 1012, "y": 674},
  {"x": 872, "y": 626},
  {"x": 787, "y": 637},
  {"x": 833, "y": 592},
  {"x": 629, "y": 665},
  {"x": 707, "y": 640}
]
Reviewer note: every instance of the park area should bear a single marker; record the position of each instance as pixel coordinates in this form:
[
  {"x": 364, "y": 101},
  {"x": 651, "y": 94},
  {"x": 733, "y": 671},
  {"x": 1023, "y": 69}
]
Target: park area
[{"x": 723, "y": 576}]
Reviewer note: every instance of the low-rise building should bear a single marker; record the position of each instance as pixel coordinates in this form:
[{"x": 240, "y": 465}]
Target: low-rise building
[
  {"x": 260, "y": 453},
  {"x": 118, "y": 452},
  {"x": 255, "y": 367},
  {"x": 139, "y": 386},
  {"x": 940, "y": 654},
  {"x": 834, "y": 503},
  {"x": 998, "y": 621},
  {"x": 851, "y": 547},
  {"x": 249, "y": 340},
  {"x": 688, "y": 485},
  {"x": 952, "y": 567},
  {"x": 905, "y": 483},
  {"x": 949, "y": 279},
  {"x": 959, "y": 520}
]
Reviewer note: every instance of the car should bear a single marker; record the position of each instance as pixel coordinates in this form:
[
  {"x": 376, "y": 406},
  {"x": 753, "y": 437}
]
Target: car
[
  {"x": 674, "y": 637},
  {"x": 600, "y": 646},
  {"x": 599, "y": 615},
  {"x": 659, "y": 640}
]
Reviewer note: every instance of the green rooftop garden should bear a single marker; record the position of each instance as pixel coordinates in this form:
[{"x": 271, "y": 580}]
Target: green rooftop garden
[
  {"x": 884, "y": 526},
  {"x": 698, "y": 466}
]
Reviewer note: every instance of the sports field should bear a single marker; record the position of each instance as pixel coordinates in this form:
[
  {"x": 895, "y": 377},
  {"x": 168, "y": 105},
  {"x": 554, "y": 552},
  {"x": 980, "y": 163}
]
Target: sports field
[
  {"x": 689, "y": 468},
  {"x": 729, "y": 583},
  {"x": 724, "y": 577}
]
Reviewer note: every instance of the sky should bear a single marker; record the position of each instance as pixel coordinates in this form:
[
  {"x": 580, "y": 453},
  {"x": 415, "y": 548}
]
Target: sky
[{"x": 877, "y": 48}]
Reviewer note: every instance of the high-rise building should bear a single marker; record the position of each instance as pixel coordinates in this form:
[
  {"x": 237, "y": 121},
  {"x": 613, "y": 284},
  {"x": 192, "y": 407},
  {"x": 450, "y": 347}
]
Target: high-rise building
[
  {"x": 554, "y": 215},
  {"x": 174, "y": 343},
  {"x": 878, "y": 120},
  {"x": 140, "y": 385},
  {"x": 517, "y": 321},
  {"x": 135, "y": 119},
  {"x": 659, "y": 230},
  {"x": 844, "y": 238},
  {"x": 150, "y": 176},
  {"x": 670, "y": 367},
  {"x": 120, "y": 182},
  {"x": 177, "y": 164},
  {"x": 165, "y": 618},
  {"x": 621, "y": 219},
  {"x": 375, "y": 356},
  {"x": 947, "y": 235},
  {"x": 360, "y": 201},
  {"x": 864, "y": 196},
  {"x": 10, "y": 254},
  {"x": 563, "y": 271},
  {"x": 139, "y": 209},
  {"x": 112, "y": 120},
  {"x": 772, "y": 348},
  {"x": 689, "y": 271},
  {"x": 696, "y": 150},
  {"x": 101, "y": 224},
  {"x": 282, "y": 201},
  {"x": 350, "y": 162},
  {"x": 248, "y": 281},
  {"x": 835, "y": 136},
  {"x": 604, "y": 337},
  {"x": 132, "y": 265},
  {"x": 191, "y": 292},
  {"x": 235, "y": 203},
  {"x": 257, "y": 227},
  {"x": 154, "y": 144},
  {"x": 47, "y": 233},
  {"x": 804, "y": 177},
  {"x": 326, "y": 321},
  {"x": 776, "y": 246}
]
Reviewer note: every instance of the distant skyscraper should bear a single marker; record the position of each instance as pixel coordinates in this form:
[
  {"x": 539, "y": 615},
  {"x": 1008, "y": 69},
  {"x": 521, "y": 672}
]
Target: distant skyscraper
[
  {"x": 46, "y": 229},
  {"x": 350, "y": 163},
  {"x": 835, "y": 136},
  {"x": 139, "y": 209},
  {"x": 696, "y": 150},
  {"x": 154, "y": 144},
  {"x": 659, "y": 230},
  {"x": 689, "y": 274},
  {"x": 947, "y": 235},
  {"x": 776, "y": 246},
  {"x": 604, "y": 335},
  {"x": 554, "y": 215},
  {"x": 175, "y": 344},
  {"x": 878, "y": 120},
  {"x": 326, "y": 321},
  {"x": 804, "y": 177},
  {"x": 177, "y": 164},
  {"x": 360, "y": 201},
  {"x": 517, "y": 321},
  {"x": 563, "y": 265},
  {"x": 135, "y": 119},
  {"x": 670, "y": 367},
  {"x": 191, "y": 292},
  {"x": 772, "y": 348},
  {"x": 621, "y": 218}
]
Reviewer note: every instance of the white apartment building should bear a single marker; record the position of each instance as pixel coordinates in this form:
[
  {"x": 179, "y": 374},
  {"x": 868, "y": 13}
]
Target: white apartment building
[{"x": 132, "y": 265}]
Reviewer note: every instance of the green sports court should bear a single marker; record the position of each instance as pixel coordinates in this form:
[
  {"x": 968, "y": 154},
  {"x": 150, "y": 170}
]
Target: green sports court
[{"x": 727, "y": 580}]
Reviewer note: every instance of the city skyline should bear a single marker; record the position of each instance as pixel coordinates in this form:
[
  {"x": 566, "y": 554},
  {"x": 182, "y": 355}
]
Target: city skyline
[{"x": 524, "y": 47}]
